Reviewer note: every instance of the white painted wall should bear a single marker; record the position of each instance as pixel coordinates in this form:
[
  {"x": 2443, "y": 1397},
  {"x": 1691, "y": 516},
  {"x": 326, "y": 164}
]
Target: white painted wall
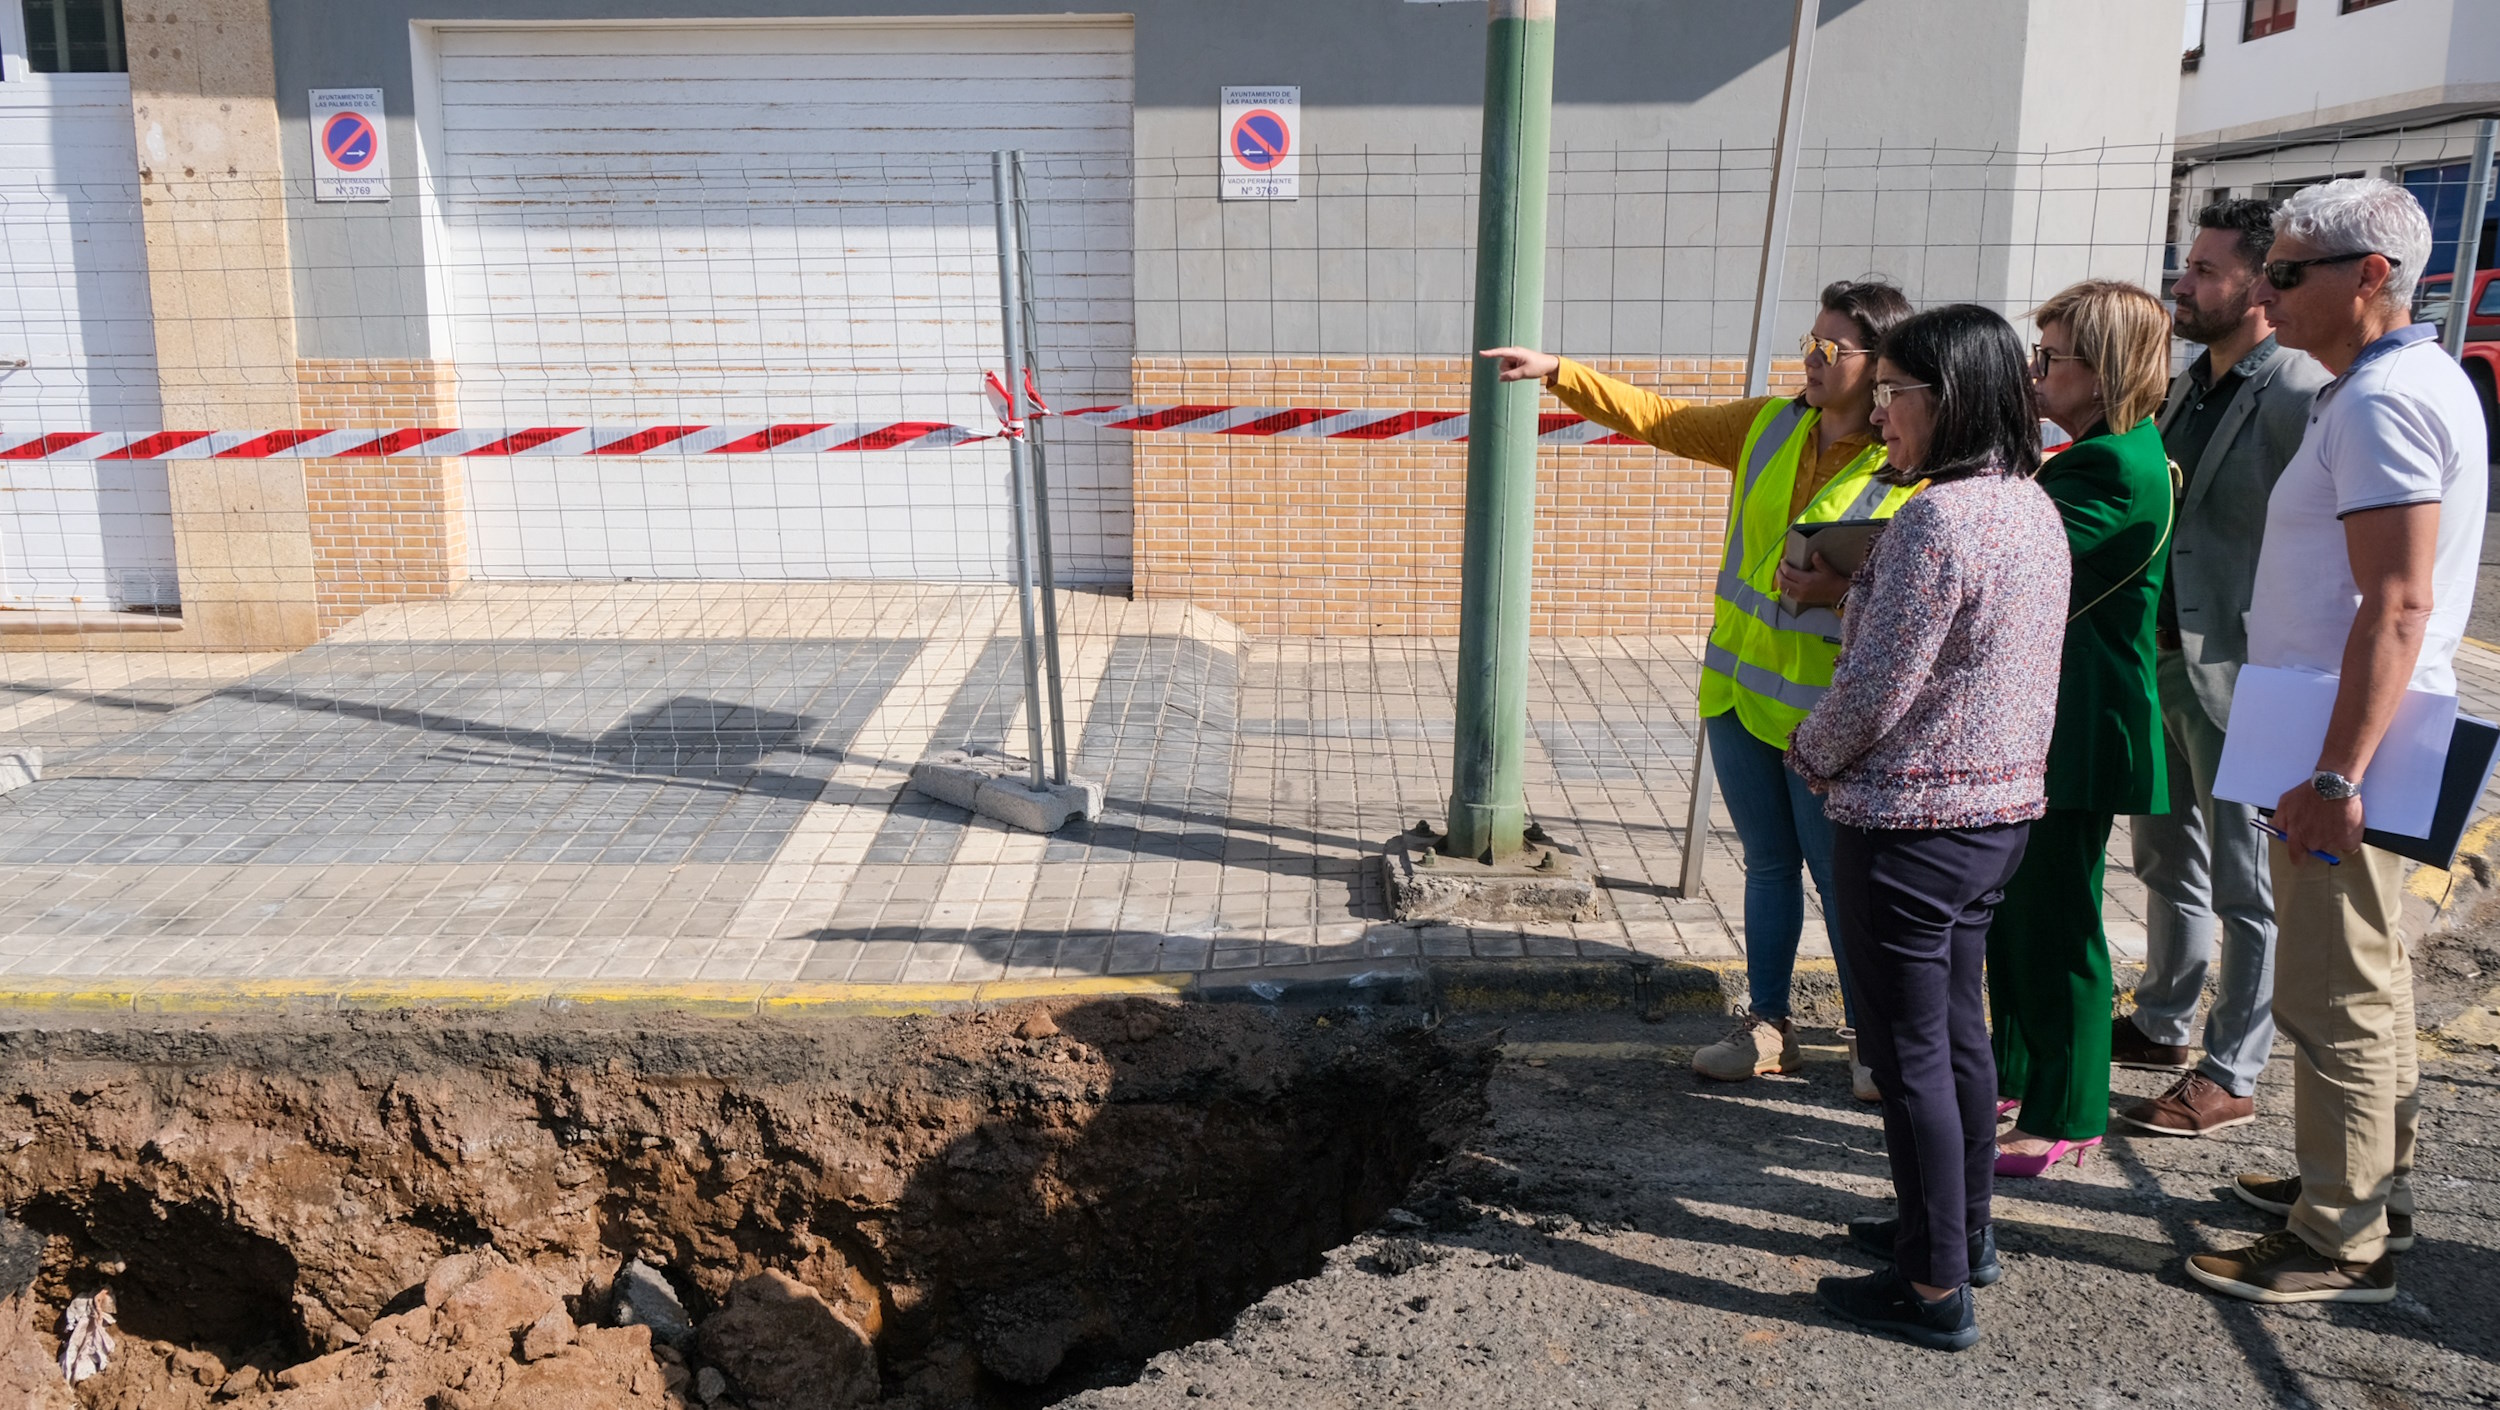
[
  {"x": 2099, "y": 101},
  {"x": 2332, "y": 67},
  {"x": 818, "y": 245},
  {"x": 74, "y": 303}
]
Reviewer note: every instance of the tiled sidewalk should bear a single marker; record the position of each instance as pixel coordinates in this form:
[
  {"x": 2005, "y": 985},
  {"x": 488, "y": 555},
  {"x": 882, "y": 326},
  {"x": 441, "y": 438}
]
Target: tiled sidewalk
[{"x": 665, "y": 782}]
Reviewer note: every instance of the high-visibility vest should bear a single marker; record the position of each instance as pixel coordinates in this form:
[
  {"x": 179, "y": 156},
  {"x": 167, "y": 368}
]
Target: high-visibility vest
[{"x": 1764, "y": 662}]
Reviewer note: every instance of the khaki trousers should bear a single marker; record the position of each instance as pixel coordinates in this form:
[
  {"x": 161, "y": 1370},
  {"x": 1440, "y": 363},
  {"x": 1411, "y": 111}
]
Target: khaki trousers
[{"x": 2343, "y": 995}]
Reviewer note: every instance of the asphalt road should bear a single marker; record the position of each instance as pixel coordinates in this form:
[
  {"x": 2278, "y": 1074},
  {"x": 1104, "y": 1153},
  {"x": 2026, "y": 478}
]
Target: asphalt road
[{"x": 1620, "y": 1234}]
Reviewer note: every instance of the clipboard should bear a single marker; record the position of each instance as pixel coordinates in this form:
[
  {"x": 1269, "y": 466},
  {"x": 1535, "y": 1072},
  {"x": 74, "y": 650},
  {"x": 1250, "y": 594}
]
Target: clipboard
[
  {"x": 2472, "y": 750},
  {"x": 2279, "y": 719},
  {"x": 2461, "y": 783},
  {"x": 1844, "y": 543}
]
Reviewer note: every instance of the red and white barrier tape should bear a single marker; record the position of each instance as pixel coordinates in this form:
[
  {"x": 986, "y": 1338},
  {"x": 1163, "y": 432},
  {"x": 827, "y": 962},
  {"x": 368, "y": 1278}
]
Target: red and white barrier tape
[
  {"x": 429, "y": 443},
  {"x": 785, "y": 438}
]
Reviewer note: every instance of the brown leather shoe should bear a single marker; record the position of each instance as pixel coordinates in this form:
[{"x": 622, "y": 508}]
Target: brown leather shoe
[
  {"x": 2195, "y": 1105},
  {"x": 2128, "y": 1047}
]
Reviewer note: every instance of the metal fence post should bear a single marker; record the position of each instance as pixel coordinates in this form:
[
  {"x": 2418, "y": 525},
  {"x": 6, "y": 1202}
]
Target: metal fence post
[
  {"x": 1011, "y": 331},
  {"x": 1041, "y": 486},
  {"x": 1766, "y": 308},
  {"x": 2470, "y": 238},
  {"x": 1488, "y": 798}
]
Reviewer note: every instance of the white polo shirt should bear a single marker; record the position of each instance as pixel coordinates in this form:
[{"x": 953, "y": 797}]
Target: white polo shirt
[{"x": 2401, "y": 426}]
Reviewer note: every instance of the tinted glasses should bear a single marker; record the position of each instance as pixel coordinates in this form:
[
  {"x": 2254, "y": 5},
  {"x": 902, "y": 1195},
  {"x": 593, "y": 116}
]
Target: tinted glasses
[
  {"x": 1825, "y": 351},
  {"x": 1886, "y": 391},
  {"x": 2287, "y": 273}
]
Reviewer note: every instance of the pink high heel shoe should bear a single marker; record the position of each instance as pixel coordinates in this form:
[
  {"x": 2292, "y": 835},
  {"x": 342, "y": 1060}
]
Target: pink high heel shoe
[
  {"x": 2007, "y": 1105},
  {"x": 2028, "y": 1167}
]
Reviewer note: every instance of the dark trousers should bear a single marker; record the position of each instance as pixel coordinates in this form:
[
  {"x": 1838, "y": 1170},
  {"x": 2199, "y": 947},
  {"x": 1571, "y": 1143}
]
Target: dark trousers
[{"x": 1914, "y": 909}]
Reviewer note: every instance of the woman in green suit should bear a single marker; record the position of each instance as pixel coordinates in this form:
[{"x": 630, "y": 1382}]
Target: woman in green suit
[{"x": 2100, "y": 369}]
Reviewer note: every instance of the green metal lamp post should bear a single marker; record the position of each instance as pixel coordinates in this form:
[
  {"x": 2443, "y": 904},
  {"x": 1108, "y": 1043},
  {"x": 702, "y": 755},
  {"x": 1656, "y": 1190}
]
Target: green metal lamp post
[{"x": 1488, "y": 802}]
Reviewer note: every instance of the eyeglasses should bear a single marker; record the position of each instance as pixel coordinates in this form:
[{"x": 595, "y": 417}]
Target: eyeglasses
[
  {"x": 2286, "y": 273},
  {"x": 1886, "y": 391},
  {"x": 2043, "y": 360},
  {"x": 1825, "y": 349}
]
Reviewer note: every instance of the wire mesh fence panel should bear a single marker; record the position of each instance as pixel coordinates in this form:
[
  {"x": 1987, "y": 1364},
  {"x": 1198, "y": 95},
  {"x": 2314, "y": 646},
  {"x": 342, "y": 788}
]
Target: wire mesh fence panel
[{"x": 571, "y": 588}]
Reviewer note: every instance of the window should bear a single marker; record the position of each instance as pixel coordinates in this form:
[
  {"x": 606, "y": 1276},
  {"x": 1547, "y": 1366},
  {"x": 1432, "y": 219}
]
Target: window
[
  {"x": 2268, "y": 17},
  {"x": 2489, "y": 307},
  {"x": 75, "y": 36},
  {"x": 2352, "y": 5}
]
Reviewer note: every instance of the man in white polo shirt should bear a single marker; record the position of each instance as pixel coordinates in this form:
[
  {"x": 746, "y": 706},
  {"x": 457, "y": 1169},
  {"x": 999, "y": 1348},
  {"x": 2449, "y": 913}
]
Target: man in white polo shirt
[{"x": 2371, "y": 541}]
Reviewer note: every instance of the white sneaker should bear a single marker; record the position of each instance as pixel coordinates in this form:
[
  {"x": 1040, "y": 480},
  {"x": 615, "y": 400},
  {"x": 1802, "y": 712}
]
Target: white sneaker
[{"x": 1754, "y": 1046}]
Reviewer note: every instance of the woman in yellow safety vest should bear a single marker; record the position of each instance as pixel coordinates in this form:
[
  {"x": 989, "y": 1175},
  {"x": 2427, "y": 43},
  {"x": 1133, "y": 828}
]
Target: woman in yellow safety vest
[{"x": 1810, "y": 458}]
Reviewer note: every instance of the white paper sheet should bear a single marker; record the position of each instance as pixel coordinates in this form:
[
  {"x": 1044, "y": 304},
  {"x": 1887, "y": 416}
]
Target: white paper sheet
[{"x": 2278, "y": 723}]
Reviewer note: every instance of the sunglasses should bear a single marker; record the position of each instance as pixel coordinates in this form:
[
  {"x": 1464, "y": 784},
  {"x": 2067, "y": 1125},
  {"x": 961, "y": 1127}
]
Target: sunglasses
[
  {"x": 2043, "y": 361},
  {"x": 1886, "y": 391},
  {"x": 2287, "y": 273},
  {"x": 1826, "y": 350}
]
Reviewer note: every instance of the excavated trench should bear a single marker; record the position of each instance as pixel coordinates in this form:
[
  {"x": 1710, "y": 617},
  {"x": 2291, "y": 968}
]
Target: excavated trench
[{"x": 988, "y": 1208}]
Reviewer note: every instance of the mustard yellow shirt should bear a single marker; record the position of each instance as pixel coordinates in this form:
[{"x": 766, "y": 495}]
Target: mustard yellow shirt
[{"x": 1710, "y": 432}]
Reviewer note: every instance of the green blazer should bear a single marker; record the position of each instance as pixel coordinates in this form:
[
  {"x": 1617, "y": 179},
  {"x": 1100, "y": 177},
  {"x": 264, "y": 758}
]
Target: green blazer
[{"x": 2113, "y": 490}]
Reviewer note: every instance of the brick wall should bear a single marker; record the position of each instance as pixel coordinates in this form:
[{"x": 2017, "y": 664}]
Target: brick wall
[
  {"x": 1358, "y": 538},
  {"x": 383, "y": 530}
]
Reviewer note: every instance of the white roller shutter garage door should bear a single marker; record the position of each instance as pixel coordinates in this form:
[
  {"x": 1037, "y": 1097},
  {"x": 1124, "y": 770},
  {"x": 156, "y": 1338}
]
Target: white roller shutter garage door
[
  {"x": 700, "y": 224},
  {"x": 74, "y": 307}
]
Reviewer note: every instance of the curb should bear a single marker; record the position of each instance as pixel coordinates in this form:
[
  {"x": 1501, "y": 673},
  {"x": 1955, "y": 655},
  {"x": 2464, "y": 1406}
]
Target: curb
[
  {"x": 2437, "y": 901},
  {"x": 2462, "y": 894},
  {"x": 1641, "y": 984},
  {"x": 1331, "y": 984},
  {"x": 1467, "y": 986}
]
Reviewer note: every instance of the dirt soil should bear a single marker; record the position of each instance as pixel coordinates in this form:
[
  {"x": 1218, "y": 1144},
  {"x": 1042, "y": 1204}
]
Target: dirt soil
[
  {"x": 1620, "y": 1233},
  {"x": 985, "y": 1209}
]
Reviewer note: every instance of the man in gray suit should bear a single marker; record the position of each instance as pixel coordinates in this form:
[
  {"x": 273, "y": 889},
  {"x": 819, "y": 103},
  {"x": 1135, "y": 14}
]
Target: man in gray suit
[{"x": 2231, "y": 424}]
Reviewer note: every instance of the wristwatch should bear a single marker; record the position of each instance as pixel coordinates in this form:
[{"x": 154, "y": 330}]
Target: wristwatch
[{"x": 2332, "y": 786}]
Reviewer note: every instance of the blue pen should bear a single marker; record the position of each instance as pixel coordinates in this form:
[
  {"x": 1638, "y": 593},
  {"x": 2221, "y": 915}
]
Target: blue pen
[{"x": 2280, "y": 836}]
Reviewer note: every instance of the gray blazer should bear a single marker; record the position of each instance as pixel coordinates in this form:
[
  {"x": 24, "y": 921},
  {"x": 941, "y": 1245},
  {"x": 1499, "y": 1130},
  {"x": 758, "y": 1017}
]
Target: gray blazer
[{"x": 2222, "y": 518}]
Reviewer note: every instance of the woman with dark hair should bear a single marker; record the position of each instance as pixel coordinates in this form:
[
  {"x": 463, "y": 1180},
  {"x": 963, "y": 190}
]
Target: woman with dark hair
[
  {"x": 1808, "y": 458},
  {"x": 1930, "y": 749}
]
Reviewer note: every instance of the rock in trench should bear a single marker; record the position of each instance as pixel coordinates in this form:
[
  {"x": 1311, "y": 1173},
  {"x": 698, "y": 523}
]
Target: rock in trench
[
  {"x": 645, "y": 1299},
  {"x": 789, "y": 1349}
]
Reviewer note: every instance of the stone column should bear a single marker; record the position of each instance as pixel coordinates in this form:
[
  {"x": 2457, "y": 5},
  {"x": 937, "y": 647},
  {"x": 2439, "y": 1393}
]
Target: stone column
[{"x": 212, "y": 198}]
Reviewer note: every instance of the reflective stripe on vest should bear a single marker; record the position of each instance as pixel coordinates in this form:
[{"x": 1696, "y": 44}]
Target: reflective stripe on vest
[
  {"x": 1765, "y": 662},
  {"x": 1761, "y": 680}
]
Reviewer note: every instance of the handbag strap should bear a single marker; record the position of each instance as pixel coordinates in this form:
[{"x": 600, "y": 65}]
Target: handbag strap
[{"x": 2168, "y": 523}]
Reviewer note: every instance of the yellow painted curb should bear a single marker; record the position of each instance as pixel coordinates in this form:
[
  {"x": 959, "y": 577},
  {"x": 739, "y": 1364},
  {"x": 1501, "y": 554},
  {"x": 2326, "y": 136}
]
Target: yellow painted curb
[
  {"x": 69, "y": 995},
  {"x": 377, "y": 994},
  {"x": 733, "y": 999},
  {"x": 1105, "y": 986},
  {"x": 2433, "y": 883},
  {"x": 196, "y": 996},
  {"x": 869, "y": 1000},
  {"x": 687, "y": 996}
]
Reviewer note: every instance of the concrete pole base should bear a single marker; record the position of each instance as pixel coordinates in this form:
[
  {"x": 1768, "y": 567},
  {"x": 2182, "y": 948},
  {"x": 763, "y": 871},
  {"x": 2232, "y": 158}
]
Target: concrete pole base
[
  {"x": 20, "y": 765},
  {"x": 996, "y": 785},
  {"x": 1544, "y": 882}
]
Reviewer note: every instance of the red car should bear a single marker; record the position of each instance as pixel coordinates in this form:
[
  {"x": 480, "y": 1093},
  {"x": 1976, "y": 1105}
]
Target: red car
[{"x": 2482, "y": 337}]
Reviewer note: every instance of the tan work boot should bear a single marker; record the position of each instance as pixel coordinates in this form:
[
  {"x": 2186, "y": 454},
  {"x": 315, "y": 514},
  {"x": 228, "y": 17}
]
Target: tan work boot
[{"x": 1754, "y": 1046}]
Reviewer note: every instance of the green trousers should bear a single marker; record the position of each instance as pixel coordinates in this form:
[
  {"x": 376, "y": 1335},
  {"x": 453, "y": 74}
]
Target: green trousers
[{"x": 2048, "y": 979}]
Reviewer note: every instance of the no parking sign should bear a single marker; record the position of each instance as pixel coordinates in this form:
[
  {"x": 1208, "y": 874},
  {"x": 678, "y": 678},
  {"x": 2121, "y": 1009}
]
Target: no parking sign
[
  {"x": 349, "y": 163},
  {"x": 1261, "y": 159}
]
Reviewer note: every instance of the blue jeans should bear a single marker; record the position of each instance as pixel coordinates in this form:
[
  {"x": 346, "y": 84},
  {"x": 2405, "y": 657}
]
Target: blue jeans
[{"x": 1782, "y": 827}]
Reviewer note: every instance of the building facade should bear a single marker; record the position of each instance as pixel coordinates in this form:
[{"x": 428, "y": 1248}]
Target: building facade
[
  {"x": 2279, "y": 94},
  {"x": 629, "y": 212}
]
